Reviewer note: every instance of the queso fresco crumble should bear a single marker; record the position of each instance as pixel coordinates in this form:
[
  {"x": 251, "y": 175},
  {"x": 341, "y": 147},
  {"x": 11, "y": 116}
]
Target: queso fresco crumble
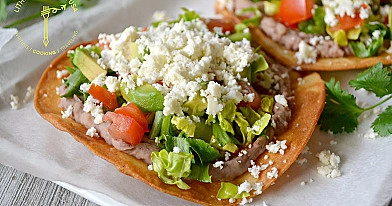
[{"x": 181, "y": 58}]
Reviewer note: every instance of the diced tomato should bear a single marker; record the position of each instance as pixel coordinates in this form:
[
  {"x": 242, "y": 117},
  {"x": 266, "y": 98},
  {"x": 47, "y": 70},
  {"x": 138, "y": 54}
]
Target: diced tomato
[
  {"x": 347, "y": 22},
  {"x": 133, "y": 111},
  {"x": 256, "y": 103},
  {"x": 294, "y": 11},
  {"x": 125, "y": 128},
  {"x": 226, "y": 26},
  {"x": 108, "y": 99}
]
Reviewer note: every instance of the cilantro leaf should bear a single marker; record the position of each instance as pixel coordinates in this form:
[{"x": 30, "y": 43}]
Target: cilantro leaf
[
  {"x": 376, "y": 79},
  {"x": 341, "y": 112},
  {"x": 383, "y": 124}
]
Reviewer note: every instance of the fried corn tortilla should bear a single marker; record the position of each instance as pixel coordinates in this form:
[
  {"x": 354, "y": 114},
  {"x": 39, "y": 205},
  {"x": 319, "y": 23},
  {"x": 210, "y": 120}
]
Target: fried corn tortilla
[
  {"x": 287, "y": 57},
  {"x": 309, "y": 102}
]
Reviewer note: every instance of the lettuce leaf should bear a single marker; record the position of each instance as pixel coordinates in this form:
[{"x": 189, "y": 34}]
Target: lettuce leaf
[
  {"x": 184, "y": 124},
  {"x": 171, "y": 167},
  {"x": 229, "y": 190},
  {"x": 200, "y": 172},
  {"x": 362, "y": 50}
]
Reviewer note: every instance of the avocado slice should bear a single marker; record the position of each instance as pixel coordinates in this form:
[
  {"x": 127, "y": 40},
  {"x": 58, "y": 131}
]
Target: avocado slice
[
  {"x": 146, "y": 97},
  {"x": 87, "y": 65}
]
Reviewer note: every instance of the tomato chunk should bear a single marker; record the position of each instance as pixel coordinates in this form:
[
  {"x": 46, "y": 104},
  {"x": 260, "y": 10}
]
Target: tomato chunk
[
  {"x": 133, "y": 111},
  {"x": 108, "y": 99},
  {"x": 347, "y": 22},
  {"x": 256, "y": 103},
  {"x": 125, "y": 128},
  {"x": 292, "y": 12},
  {"x": 226, "y": 26}
]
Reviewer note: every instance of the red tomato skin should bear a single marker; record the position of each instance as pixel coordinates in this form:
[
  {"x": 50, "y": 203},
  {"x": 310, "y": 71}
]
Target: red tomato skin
[
  {"x": 292, "y": 12},
  {"x": 347, "y": 22},
  {"x": 256, "y": 103},
  {"x": 227, "y": 26},
  {"x": 108, "y": 99},
  {"x": 124, "y": 128},
  {"x": 133, "y": 111}
]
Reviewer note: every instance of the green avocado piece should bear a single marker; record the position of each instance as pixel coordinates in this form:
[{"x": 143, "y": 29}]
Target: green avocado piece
[
  {"x": 87, "y": 65},
  {"x": 146, "y": 97},
  {"x": 338, "y": 36},
  {"x": 132, "y": 51},
  {"x": 353, "y": 34}
]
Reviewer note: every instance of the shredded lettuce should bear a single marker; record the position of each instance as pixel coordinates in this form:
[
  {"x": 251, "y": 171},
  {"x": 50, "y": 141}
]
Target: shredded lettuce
[
  {"x": 258, "y": 127},
  {"x": 203, "y": 150},
  {"x": 200, "y": 173},
  {"x": 255, "y": 21},
  {"x": 88, "y": 50},
  {"x": 171, "y": 167},
  {"x": 184, "y": 124},
  {"x": 364, "y": 50},
  {"x": 73, "y": 84},
  {"x": 223, "y": 137},
  {"x": 257, "y": 67},
  {"x": 229, "y": 190},
  {"x": 315, "y": 25}
]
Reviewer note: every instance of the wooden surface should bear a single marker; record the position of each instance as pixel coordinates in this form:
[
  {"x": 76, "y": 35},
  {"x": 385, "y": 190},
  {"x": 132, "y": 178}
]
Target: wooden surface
[{"x": 19, "y": 188}]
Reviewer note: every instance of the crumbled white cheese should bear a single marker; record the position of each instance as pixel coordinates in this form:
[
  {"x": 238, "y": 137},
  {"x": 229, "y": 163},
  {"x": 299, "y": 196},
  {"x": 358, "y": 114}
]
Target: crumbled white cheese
[
  {"x": 61, "y": 73},
  {"x": 306, "y": 150},
  {"x": 264, "y": 166},
  {"x": 279, "y": 98},
  {"x": 342, "y": 8},
  {"x": 85, "y": 87},
  {"x": 333, "y": 142},
  {"x": 92, "y": 132},
  {"x": 29, "y": 94},
  {"x": 301, "y": 161},
  {"x": 14, "y": 102},
  {"x": 331, "y": 163},
  {"x": 218, "y": 164},
  {"x": 176, "y": 149},
  {"x": 306, "y": 54},
  {"x": 273, "y": 173},
  {"x": 255, "y": 170},
  {"x": 95, "y": 108},
  {"x": 376, "y": 34},
  {"x": 278, "y": 146},
  {"x": 227, "y": 156},
  {"x": 270, "y": 162},
  {"x": 99, "y": 80},
  {"x": 257, "y": 187},
  {"x": 150, "y": 167},
  {"x": 244, "y": 187},
  {"x": 112, "y": 84},
  {"x": 371, "y": 134},
  {"x": 67, "y": 113},
  {"x": 181, "y": 55}
]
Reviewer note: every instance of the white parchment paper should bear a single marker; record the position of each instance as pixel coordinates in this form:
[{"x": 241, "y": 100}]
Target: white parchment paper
[{"x": 30, "y": 144}]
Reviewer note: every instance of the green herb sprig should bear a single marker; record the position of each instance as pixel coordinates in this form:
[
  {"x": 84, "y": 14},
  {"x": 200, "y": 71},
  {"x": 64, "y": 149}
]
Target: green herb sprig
[{"x": 341, "y": 111}]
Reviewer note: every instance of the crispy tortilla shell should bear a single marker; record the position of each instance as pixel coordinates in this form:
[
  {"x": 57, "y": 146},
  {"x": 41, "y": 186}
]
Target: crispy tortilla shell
[
  {"x": 309, "y": 102},
  {"x": 287, "y": 57}
]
